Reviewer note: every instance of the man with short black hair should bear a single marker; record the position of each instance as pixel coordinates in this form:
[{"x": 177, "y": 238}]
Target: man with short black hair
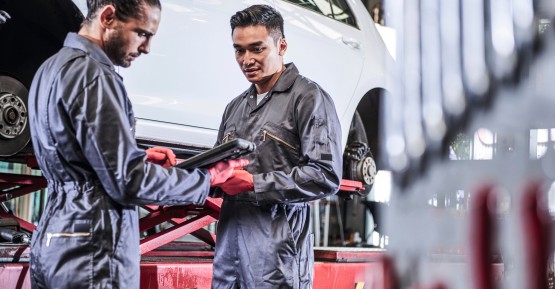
[{"x": 263, "y": 236}]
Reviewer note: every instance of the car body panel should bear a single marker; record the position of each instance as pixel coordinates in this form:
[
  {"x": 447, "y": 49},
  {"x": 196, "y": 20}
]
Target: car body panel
[{"x": 179, "y": 91}]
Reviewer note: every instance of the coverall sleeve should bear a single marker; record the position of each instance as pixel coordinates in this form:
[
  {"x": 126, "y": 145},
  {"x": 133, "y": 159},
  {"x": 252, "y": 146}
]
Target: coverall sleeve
[
  {"x": 319, "y": 173},
  {"x": 103, "y": 131}
]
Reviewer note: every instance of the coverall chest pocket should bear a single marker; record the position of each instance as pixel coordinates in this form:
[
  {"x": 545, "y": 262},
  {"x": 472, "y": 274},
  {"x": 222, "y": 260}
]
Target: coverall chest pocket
[{"x": 278, "y": 147}]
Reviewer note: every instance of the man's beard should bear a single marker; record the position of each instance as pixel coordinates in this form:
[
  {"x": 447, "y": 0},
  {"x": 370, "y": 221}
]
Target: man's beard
[{"x": 114, "y": 47}]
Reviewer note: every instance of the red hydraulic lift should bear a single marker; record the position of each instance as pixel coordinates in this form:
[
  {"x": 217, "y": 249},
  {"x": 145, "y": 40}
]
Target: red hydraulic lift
[{"x": 188, "y": 265}]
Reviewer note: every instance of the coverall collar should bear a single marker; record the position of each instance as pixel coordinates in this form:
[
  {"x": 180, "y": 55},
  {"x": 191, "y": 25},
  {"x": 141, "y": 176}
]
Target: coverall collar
[
  {"x": 284, "y": 82},
  {"x": 287, "y": 78},
  {"x": 76, "y": 41}
]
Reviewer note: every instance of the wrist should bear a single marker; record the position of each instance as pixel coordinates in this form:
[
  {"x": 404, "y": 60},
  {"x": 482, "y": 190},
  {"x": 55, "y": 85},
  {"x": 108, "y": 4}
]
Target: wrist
[{"x": 211, "y": 176}]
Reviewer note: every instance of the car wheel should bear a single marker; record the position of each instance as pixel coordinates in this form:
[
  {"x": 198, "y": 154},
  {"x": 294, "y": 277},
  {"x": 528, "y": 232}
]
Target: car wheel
[{"x": 14, "y": 125}]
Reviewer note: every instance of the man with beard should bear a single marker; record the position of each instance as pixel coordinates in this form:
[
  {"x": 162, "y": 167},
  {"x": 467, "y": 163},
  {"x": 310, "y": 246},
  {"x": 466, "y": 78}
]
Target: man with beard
[{"x": 82, "y": 131}]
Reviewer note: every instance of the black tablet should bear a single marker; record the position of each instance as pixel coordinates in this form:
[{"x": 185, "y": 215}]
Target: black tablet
[{"x": 230, "y": 150}]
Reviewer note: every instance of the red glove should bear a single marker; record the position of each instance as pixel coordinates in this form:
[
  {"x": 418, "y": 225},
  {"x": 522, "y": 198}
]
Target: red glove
[
  {"x": 221, "y": 171},
  {"x": 162, "y": 156},
  {"x": 240, "y": 181}
]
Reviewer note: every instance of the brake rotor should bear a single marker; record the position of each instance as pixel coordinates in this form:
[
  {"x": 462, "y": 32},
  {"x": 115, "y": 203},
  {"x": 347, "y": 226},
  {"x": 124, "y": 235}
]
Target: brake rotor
[
  {"x": 365, "y": 170},
  {"x": 14, "y": 129}
]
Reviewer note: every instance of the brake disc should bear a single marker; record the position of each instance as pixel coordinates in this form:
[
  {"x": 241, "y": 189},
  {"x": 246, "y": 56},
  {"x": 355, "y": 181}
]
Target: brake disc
[
  {"x": 364, "y": 170},
  {"x": 361, "y": 165}
]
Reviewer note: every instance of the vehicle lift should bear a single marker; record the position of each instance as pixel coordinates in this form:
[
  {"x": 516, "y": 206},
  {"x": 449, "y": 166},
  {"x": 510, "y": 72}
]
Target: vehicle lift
[{"x": 183, "y": 265}]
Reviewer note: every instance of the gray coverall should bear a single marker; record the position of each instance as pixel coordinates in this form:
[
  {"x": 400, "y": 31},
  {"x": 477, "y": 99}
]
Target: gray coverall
[
  {"x": 82, "y": 131},
  {"x": 263, "y": 237}
]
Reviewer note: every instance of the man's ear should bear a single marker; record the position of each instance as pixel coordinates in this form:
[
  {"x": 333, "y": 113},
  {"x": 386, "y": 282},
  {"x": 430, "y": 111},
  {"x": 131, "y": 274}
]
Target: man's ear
[
  {"x": 282, "y": 46},
  {"x": 107, "y": 16}
]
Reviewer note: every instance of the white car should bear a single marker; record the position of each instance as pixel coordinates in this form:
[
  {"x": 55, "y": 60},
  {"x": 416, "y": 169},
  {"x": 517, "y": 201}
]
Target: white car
[{"x": 179, "y": 91}]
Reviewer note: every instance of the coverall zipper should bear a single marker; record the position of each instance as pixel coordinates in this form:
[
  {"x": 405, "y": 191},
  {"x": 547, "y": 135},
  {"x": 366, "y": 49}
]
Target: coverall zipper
[
  {"x": 273, "y": 136},
  {"x": 49, "y": 236}
]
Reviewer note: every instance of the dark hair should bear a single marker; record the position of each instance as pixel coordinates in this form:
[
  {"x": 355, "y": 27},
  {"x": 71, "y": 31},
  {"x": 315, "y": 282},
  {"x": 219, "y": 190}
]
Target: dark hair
[
  {"x": 259, "y": 15},
  {"x": 125, "y": 9}
]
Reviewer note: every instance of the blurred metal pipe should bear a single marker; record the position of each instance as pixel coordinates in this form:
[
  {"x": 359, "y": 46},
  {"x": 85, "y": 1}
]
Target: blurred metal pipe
[
  {"x": 454, "y": 102},
  {"x": 393, "y": 107},
  {"x": 432, "y": 110},
  {"x": 475, "y": 73},
  {"x": 412, "y": 112},
  {"x": 501, "y": 47},
  {"x": 523, "y": 19}
]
